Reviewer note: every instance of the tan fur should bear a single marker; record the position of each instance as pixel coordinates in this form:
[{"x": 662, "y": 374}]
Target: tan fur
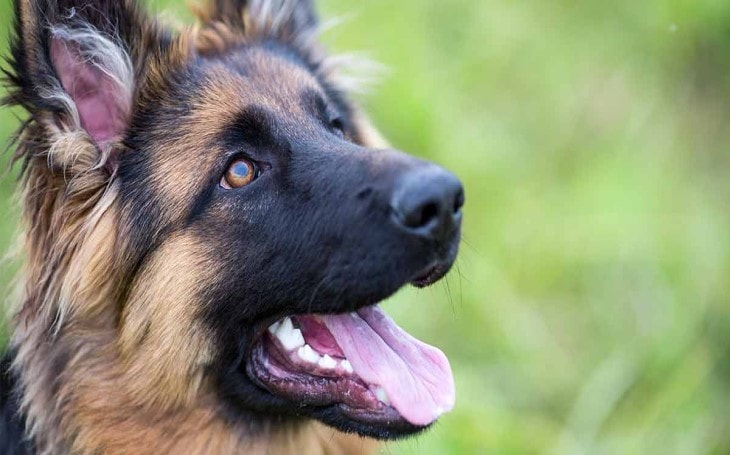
[
  {"x": 136, "y": 388},
  {"x": 215, "y": 38},
  {"x": 218, "y": 31}
]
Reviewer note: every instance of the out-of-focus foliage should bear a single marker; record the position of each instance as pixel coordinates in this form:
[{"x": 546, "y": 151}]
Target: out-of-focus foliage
[{"x": 589, "y": 310}]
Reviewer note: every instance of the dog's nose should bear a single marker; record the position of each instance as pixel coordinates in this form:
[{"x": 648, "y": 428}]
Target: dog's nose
[{"x": 427, "y": 202}]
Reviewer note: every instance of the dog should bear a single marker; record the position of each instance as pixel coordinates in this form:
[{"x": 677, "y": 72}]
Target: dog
[{"x": 209, "y": 225}]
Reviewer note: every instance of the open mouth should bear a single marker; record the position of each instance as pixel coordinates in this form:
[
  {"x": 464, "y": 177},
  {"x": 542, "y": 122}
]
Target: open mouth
[{"x": 361, "y": 362}]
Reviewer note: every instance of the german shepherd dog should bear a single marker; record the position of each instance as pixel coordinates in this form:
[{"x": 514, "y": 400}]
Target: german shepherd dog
[{"x": 209, "y": 225}]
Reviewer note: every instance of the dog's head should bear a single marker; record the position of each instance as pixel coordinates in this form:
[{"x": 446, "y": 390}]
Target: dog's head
[{"x": 256, "y": 218}]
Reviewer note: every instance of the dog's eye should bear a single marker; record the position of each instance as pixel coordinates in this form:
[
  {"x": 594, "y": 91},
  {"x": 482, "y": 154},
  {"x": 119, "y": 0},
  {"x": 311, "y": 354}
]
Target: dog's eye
[
  {"x": 240, "y": 173},
  {"x": 338, "y": 125}
]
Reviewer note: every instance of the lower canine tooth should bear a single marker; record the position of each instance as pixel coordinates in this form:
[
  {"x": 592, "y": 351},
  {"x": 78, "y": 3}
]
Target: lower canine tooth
[{"x": 347, "y": 366}]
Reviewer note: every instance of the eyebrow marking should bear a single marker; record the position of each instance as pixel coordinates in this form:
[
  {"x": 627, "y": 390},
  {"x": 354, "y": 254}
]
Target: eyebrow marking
[
  {"x": 254, "y": 125},
  {"x": 255, "y": 120}
]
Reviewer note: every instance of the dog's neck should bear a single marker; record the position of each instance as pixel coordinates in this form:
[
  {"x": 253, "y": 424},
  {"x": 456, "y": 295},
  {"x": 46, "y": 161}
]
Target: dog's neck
[{"x": 78, "y": 399}]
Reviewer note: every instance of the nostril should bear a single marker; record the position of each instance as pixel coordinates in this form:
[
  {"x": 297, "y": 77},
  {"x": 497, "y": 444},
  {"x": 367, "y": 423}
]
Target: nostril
[
  {"x": 427, "y": 202},
  {"x": 423, "y": 215},
  {"x": 459, "y": 200}
]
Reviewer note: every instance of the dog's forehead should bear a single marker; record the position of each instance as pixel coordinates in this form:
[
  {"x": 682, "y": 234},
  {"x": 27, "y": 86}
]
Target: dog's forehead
[{"x": 258, "y": 76}]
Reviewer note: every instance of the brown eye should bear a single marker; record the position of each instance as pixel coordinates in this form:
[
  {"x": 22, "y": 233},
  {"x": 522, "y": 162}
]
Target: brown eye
[{"x": 240, "y": 173}]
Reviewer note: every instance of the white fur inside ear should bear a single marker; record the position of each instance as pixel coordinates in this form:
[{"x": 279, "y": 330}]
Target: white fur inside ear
[{"x": 97, "y": 75}]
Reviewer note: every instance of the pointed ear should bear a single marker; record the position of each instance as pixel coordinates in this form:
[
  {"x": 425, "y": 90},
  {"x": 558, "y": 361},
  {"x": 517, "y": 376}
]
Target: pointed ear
[
  {"x": 97, "y": 75},
  {"x": 73, "y": 69},
  {"x": 293, "y": 22}
]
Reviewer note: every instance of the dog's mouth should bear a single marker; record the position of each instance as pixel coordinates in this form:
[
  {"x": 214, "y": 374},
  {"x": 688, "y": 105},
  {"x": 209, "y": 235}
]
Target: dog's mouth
[{"x": 361, "y": 362}]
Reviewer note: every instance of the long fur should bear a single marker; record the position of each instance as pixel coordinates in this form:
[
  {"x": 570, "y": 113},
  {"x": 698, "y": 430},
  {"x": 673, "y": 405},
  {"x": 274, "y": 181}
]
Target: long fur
[
  {"x": 79, "y": 379},
  {"x": 220, "y": 28}
]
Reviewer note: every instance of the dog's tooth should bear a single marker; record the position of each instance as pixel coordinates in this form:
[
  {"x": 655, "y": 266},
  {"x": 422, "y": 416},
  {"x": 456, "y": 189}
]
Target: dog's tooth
[
  {"x": 289, "y": 337},
  {"x": 327, "y": 362},
  {"x": 381, "y": 395},
  {"x": 285, "y": 325},
  {"x": 347, "y": 366},
  {"x": 307, "y": 354},
  {"x": 274, "y": 327},
  {"x": 291, "y": 340}
]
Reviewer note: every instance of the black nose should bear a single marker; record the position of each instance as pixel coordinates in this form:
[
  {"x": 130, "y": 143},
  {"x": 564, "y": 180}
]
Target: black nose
[{"x": 427, "y": 202}]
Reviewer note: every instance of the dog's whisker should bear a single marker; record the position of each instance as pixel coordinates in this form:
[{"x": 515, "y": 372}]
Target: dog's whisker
[
  {"x": 448, "y": 293},
  {"x": 461, "y": 277}
]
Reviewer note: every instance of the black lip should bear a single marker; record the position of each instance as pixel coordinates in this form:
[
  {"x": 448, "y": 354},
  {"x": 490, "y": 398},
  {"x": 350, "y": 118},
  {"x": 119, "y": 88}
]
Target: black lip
[
  {"x": 431, "y": 275},
  {"x": 377, "y": 427}
]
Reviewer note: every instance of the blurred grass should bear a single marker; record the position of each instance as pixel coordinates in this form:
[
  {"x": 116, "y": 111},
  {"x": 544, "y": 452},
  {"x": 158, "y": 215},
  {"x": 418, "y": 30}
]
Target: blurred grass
[{"x": 589, "y": 311}]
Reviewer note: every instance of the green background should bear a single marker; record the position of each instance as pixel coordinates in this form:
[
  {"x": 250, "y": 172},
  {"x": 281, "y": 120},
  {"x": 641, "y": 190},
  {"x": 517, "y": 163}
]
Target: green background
[{"x": 589, "y": 309}]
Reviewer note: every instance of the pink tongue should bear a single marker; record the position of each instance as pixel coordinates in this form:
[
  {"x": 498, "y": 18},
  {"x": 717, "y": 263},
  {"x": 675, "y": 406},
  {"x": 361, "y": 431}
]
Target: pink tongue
[{"x": 416, "y": 377}]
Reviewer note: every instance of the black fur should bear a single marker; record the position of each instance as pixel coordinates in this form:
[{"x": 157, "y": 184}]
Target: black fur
[{"x": 12, "y": 426}]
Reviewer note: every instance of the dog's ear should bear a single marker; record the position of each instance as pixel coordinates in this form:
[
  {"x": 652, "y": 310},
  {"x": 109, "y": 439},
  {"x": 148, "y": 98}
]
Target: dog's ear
[
  {"x": 73, "y": 67},
  {"x": 293, "y": 22}
]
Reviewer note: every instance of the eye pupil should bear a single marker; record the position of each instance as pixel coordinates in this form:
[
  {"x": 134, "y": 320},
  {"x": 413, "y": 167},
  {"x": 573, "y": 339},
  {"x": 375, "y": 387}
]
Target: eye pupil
[
  {"x": 240, "y": 173},
  {"x": 240, "y": 170},
  {"x": 336, "y": 123}
]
